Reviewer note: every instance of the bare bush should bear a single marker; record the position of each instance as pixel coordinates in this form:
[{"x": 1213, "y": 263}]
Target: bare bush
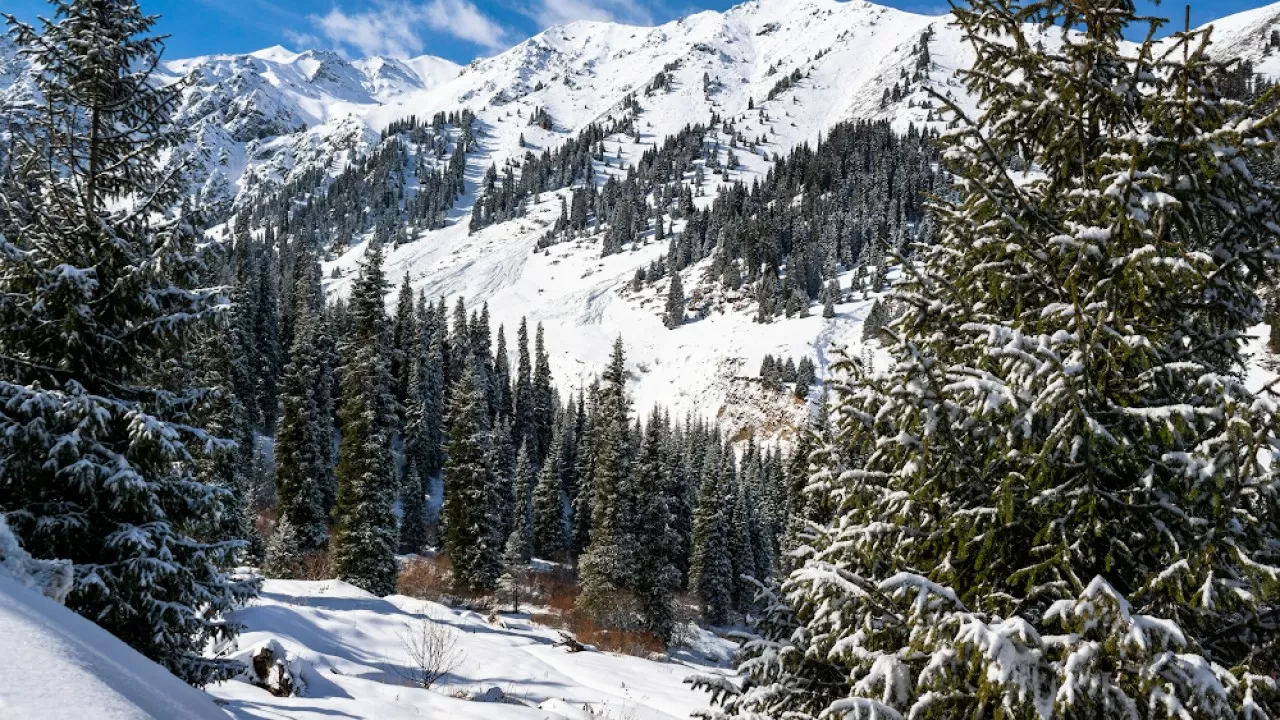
[
  {"x": 315, "y": 566},
  {"x": 432, "y": 650}
]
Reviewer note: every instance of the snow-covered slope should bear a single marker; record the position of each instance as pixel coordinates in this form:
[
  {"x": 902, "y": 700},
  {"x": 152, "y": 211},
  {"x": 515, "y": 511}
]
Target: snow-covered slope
[
  {"x": 346, "y": 647},
  {"x": 56, "y": 665},
  {"x": 781, "y": 70},
  {"x": 1249, "y": 36}
]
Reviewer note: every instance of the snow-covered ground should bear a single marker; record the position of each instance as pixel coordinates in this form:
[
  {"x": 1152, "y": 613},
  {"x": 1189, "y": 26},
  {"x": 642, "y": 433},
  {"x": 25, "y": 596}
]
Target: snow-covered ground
[
  {"x": 346, "y": 647},
  {"x": 56, "y": 665}
]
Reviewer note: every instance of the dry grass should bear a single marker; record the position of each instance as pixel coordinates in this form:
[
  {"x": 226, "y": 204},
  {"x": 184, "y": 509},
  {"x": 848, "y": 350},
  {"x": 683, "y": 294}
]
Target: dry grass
[
  {"x": 627, "y": 642},
  {"x": 315, "y": 566},
  {"x": 557, "y": 590},
  {"x": 426, "y": 578},
  {"x": 611, "y": 630},
  {"x": 431, "y": 578}
]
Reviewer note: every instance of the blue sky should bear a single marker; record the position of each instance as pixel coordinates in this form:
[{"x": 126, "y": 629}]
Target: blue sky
[{"x": 456, "y": 29}]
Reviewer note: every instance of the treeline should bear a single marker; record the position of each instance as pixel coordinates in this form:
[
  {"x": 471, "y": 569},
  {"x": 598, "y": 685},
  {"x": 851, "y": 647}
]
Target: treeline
[
  {"x": 852, "y": 201},
  {"x": 408, "y": 183},
  {"x": 565, "y": 166},
  {"x": 428, "y": 411}
]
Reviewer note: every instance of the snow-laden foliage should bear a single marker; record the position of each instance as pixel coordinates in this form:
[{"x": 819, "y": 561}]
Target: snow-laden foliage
[
  {"x": 1059, "y": 500},
  {"x": 51, "y": 578},
  {"x": 98, "y": 289},
  {"x": 366, "y": 534}
]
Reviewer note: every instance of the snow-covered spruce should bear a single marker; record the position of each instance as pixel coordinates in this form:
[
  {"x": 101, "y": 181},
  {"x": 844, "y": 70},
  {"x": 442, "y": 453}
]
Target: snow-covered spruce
[
  {"x": 366, "y": 535},
  {"x": 98, "y": 271},
  {"x": 1059, "y": 501}
]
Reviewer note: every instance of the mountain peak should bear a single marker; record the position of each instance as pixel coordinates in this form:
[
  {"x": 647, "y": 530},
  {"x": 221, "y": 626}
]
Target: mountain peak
[{"x": 275, "y": 53}]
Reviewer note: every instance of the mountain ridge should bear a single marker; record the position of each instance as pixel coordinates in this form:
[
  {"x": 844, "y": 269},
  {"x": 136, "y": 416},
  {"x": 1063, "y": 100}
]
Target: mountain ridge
[{"x": 782, "y": 73}]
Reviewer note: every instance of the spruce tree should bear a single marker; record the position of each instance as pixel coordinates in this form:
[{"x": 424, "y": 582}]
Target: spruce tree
[
  {"x": 1062, "y": 497},
  {"x": 366, "y": 535},
  {"x": 267, "y": 337},
  {"x": 522, "y": 519},
  {"x": 98, "y": 278},
  {"x": 524, "y": 424},
  {"x": 674, "y": 316},
  {"x": 303, "y": 441},
  {"x": 227, "y": 411},
  {"x": 469, "y": 515},
  {"x": 413, "y": 503},
  {"x": 608, "y": 565},
  {"x": 711, "y": 568},
  {"x": 657, "y": 577},
  {"x": 404, "y": 337},
  {"x": 544, "y": 400},
  {"x": 548, "y": 508},
  {"x": 283, "y": 553}
]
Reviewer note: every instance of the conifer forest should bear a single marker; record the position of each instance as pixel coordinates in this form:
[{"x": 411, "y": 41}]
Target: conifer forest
[{"x": 796, "y": 360}]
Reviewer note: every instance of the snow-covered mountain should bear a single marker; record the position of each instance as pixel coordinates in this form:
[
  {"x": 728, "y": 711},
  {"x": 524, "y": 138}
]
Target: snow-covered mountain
[{"x": 784, "y": 71}]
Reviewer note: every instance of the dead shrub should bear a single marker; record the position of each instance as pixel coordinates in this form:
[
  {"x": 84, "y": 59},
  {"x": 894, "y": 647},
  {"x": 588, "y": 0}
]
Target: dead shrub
[
  {"x": 426, "y": 578},
  {"x": 315, "y": 566},
  {"x": 432, "y": 650},
  {"x": 557, "y": 591},
  {"x": 631, "y": 641}
]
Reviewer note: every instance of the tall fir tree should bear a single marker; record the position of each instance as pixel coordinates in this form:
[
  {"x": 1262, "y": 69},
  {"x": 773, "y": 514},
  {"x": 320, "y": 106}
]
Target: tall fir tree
[
  {"x": 549, "y": 508},
  {"x": 657, "y": 577},
  {"x": 544, "y": 398},
  {"x": 674, "y": 314},
  {"x": 366, "y": 535},
  {"x": 97, "y": 288},
  {"x": 303, "y": 440},
  {"x": 469, "y": 514},
  {"x": 269, "y": 354},
  {"x": 711, "y": 568},
  {"x": 404, "y": 337},
  {"x": 608, "y": 564},
  {"x": 524, "y": 404},
  {"x": 521, "y": 536},
  {"x": 220, "y": 363},
  {"x": 413, "y": 504}
]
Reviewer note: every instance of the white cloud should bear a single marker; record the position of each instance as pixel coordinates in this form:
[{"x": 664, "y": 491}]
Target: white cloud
[
  {"x": 395, "y": 28},
  {"x": 465, "y": 21},
  {"x": 560, "y": 12}
]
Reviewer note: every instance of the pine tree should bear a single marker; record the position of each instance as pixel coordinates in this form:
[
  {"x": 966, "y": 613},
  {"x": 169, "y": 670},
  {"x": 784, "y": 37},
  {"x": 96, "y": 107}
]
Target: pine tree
[
  {"x": 303, "y": 441},
  {"x": 267, "y": 337},
  {"x": 524, "y": 424},
  {"x": 711, "y": 569},
  {"x": 515, "y": 569},
  {"x": 404, "y": 336},
  {"x": 742, "y": 559},
  {"x": 97, "y": 278},
  {"x": 675, "y": 303},
  {"x": 548, "y": 508},
  {"x": 544, "y": 400},
  {"x": 657, "y": 577},
  {"x": 220, "y": 364},
  {"x": 608, "y": 564},
  {"x": 469, "y": 517},
  {"x": 1062, "y": 509},
  {"x": 522, "y": 519},
  {"x": 283, "y": 553},
  {"x": 366, "y": 536},
  {"x": 413, "y": 502}
]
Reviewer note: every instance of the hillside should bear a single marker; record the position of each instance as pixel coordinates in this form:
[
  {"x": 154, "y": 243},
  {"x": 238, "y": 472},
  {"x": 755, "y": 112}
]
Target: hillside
[
  {"x": 781, "y": 71},
  {"x": 345, "y": 649}
]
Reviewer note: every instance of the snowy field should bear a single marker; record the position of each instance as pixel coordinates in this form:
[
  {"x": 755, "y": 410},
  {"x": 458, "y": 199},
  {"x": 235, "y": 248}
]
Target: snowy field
[
  {"x": 346, "y": 647},
  {"x": 345, "y": 650}
]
